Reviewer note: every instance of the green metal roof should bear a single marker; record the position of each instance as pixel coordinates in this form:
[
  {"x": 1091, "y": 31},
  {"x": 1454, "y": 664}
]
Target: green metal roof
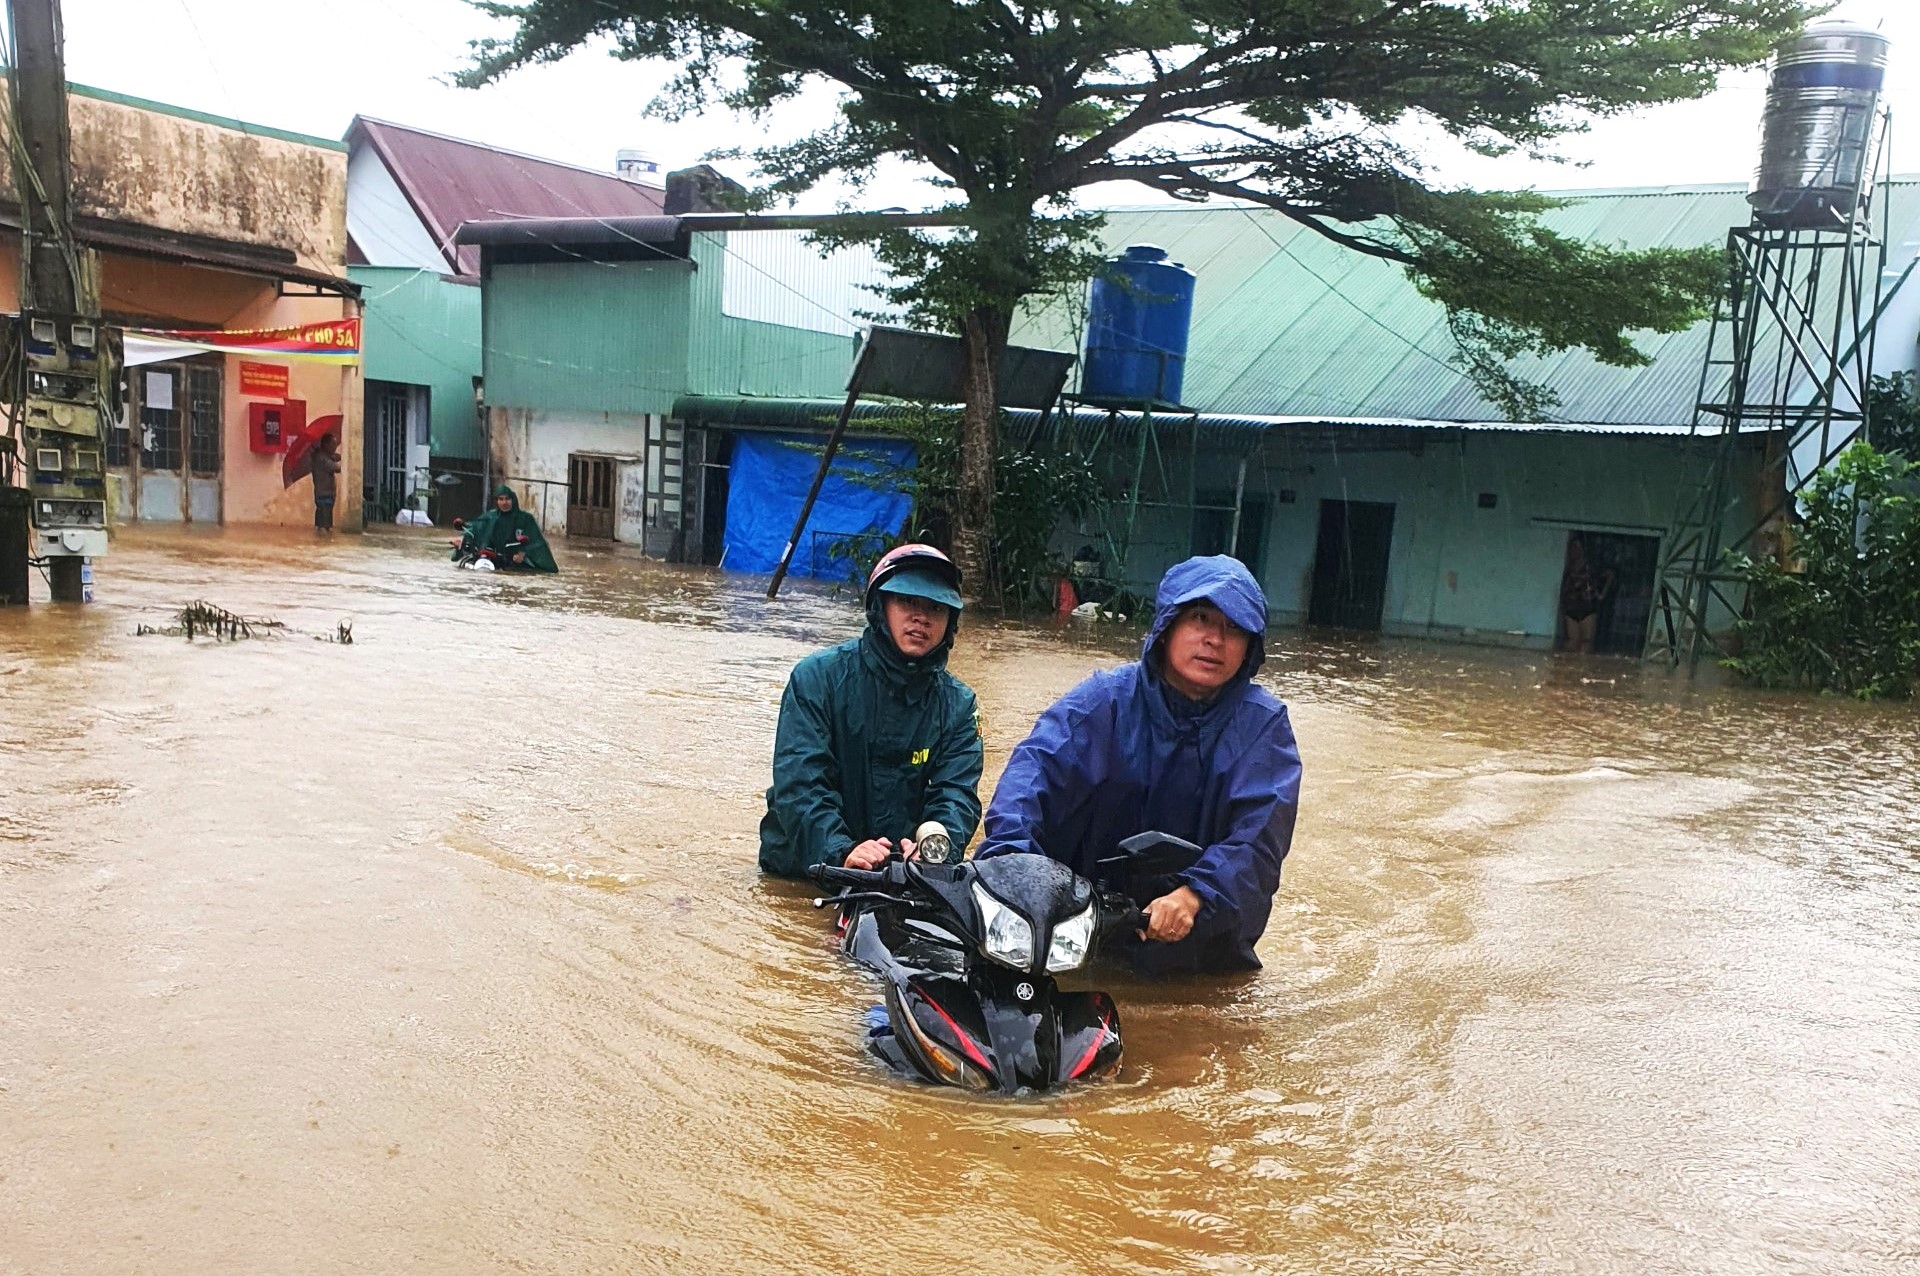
[
  {"x": 1288, "y": 323},
  {"x": 884, "y": 417}
]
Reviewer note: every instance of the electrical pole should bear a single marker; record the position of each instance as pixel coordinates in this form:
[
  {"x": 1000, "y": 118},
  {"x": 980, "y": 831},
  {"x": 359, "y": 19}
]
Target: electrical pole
[{"x": 57, "y": 367}]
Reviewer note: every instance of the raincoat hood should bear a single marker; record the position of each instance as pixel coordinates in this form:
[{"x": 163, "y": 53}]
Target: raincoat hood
[
  {"x": 1227, "y": 584},
  {"x": 507, "y": 491},
  {"x": 1122, "y": 753}
]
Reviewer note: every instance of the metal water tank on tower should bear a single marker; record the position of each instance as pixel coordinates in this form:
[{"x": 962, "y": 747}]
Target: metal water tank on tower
[
  {"x": 1818, "y": 132},
  {"x": 1137, "y": 320}
]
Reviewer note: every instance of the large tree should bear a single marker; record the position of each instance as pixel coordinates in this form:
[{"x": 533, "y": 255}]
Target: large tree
[{"x": 1310, "y": 107}]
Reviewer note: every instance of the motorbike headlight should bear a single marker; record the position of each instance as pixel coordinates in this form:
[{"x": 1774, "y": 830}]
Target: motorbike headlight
[
  {"x": 1072, "y": 940},
  {"x": 1009, "y": 935}
]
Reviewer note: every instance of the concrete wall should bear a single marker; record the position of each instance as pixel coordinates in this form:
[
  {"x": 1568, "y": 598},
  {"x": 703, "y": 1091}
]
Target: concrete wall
[
  {"x": 531, "y": 447},
  {"x": 1456, "y": 570},
  {"x": 172, "y": 169}
]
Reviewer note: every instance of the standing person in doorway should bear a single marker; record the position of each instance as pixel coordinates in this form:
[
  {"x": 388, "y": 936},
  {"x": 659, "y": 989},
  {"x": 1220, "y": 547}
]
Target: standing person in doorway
[
  {"x": 1582, "y": 591},
  {"x": 326, "y": 468},
  {"x": 875, "y": 736}
]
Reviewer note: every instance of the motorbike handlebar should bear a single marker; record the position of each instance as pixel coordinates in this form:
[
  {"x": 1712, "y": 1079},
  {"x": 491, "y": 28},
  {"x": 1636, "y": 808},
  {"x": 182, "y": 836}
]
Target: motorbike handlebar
[{"x": 834, "y": 875}]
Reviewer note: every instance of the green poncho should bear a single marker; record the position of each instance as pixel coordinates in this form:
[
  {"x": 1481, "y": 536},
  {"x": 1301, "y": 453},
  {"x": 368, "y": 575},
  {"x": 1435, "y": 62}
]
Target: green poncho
[
  {"x": 501, "y": 533},
  {"x": 870, "y": 744}
]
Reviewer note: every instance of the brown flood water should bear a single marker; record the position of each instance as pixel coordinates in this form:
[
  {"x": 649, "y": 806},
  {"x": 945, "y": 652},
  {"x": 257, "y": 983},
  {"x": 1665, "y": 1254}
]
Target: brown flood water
[{"x": 446, "y": 952}]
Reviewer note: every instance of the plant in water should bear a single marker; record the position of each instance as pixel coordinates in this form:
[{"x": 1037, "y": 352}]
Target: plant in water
[{"x": 1844, "y": 616}]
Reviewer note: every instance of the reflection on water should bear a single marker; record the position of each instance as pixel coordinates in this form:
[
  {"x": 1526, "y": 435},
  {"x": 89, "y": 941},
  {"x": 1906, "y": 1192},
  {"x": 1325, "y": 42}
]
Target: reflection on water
[{"x": 446, "y": 952}]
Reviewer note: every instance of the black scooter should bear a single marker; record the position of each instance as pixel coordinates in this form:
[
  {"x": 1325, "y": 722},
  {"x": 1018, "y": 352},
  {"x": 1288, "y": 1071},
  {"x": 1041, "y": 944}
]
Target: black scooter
[{"x": 968, "y": 952}]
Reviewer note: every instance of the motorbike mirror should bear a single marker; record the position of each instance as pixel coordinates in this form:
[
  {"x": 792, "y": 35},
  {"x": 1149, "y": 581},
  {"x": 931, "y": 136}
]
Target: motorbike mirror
[{"x": 459, "y": 523}]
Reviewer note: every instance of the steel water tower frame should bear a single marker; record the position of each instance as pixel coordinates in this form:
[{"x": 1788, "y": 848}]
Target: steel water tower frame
[{"x": 1790, "y": 352}]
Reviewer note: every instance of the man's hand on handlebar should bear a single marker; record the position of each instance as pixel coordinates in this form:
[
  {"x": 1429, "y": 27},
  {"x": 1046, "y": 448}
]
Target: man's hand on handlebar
[
  {"x": 870, "y": 854},
  {"x": 1170, "y": 918}
]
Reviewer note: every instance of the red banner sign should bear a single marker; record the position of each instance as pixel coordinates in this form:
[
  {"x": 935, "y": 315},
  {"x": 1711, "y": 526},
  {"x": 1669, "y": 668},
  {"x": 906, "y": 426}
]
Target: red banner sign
[
  {"x": 264, "y": 380},
  {"x": 336, "y": 341}
]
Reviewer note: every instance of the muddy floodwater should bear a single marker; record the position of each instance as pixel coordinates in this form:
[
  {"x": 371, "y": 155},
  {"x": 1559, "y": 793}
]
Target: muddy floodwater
[{"x": 446, "y": 952}]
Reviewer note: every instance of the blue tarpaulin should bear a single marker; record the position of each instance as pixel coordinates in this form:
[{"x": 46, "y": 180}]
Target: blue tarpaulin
[{"x": 860, "y": 503}]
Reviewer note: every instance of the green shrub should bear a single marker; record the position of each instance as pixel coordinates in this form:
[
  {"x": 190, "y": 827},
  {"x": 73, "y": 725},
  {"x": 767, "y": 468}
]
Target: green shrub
[{"x": 1844, "y": 617}]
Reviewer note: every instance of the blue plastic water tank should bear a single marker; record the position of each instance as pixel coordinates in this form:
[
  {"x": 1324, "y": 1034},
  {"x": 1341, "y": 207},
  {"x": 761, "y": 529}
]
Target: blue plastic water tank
[{"x": 1137, "y": 322}]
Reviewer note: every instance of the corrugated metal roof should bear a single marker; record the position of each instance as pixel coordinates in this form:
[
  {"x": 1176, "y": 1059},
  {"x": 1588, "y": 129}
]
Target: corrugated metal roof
[
  {"x": 449, "y": 181},
  {"x": 1289, "y": 324},
  {"x": 819, "y": 414}
]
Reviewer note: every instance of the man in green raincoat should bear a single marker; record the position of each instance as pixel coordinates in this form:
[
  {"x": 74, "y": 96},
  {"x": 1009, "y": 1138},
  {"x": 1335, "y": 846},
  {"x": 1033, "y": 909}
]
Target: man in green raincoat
[
  {"x": 876, "y": 737},
  {"x": 511, "y": 533}
]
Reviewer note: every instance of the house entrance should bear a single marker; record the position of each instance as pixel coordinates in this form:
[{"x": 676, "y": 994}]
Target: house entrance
[
  {"x": 1350, "y": 564},
  {"x": 590, "y": 496},
  {"x": 167, "y": 445},
  {"x": 1213, "y": 528},
  {"x": 1606, "y": 592}
]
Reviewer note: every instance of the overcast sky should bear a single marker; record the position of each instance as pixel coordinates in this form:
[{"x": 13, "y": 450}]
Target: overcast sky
[{"x": 311, "y": 67}]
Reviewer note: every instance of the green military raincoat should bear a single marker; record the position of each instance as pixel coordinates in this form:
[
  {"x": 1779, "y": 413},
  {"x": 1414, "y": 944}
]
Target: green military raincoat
[
  {"x": 501, "y": 533},
  {"x": 870, "y": 744}
]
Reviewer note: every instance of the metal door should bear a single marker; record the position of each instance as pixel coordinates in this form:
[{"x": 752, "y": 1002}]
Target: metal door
[
  {"x": 388, "y": 482},
  {"x": 160, "y": 484},
  {"x": 173, "y": 457},
  {"x": 203, "y": 443}
]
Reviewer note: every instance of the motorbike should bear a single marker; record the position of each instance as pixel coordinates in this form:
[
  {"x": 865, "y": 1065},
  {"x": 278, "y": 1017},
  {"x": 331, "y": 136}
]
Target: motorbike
[
  {"x": 474, "y": 556},
  {"x": 967, "y": 953}
]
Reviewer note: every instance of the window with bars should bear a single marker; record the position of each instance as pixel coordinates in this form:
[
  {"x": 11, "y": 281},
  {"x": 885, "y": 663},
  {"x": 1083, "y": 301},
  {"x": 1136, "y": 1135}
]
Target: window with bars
[{"x": 203, "y": 419}]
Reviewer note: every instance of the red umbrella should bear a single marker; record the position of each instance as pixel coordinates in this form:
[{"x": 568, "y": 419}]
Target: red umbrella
[{"x": 297, "y": 463}]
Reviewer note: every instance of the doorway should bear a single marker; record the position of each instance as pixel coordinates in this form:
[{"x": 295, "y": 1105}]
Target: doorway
[
  {"x": 172, "y": 456},
  {"x": 1350, "y": 564},
  {"x": 590, "y": 496},
  {"x": 1621, "y": 571},
  {"x": 713, "y": 498},
  {"x": 389, "y": 480},
  {"x": 1213, "y": 530}
]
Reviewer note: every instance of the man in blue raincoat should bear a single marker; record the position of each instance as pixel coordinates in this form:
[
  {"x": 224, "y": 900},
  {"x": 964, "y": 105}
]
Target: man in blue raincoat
[
  {"x": 1179, "y": 742},
  {"x": 876, "y": 738}
]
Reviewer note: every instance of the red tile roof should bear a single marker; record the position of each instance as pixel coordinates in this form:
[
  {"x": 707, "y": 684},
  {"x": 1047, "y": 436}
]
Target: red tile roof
[{"x": 449, "y": 181}]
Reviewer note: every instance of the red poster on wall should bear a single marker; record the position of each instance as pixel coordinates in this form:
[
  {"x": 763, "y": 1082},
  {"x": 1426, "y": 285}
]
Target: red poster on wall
[{"x": 264, "y": 380}]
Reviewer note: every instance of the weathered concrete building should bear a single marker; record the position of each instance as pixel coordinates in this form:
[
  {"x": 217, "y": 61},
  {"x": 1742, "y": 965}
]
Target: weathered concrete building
[{"x": 205, "y": 224}]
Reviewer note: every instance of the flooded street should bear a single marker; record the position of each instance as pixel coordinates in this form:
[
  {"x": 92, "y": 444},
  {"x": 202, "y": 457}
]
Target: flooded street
[{"x": 446, "y": 952}]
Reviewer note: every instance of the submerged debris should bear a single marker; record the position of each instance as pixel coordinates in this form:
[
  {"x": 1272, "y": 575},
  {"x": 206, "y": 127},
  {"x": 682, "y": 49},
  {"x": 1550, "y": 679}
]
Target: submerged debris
[{"x": 201, "y": 619}]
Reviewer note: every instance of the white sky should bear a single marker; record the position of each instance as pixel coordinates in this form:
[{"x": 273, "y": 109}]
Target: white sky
[{"x": 310, "y": 67}]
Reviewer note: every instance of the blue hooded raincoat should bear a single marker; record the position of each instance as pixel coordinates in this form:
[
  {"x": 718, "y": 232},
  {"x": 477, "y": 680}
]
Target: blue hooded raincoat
[{"x": 1122, "y": 753}]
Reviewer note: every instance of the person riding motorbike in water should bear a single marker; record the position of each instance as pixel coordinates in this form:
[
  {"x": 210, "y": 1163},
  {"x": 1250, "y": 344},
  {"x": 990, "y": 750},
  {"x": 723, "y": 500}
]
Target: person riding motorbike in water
[
  {"x": 875, "y": 737},
  {"x": 511, "y": 534},
  {"x": 1179, "y": 742}
]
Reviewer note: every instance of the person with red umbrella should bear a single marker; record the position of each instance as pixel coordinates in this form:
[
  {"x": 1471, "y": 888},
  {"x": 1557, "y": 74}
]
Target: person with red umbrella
[
  {"x": 315, "y": 451},
  {"x": 326, "y": 468}
]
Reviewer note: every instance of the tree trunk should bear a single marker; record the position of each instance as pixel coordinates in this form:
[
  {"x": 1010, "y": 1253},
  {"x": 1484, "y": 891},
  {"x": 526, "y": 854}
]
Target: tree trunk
[{"x": 982, "y": 344}]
